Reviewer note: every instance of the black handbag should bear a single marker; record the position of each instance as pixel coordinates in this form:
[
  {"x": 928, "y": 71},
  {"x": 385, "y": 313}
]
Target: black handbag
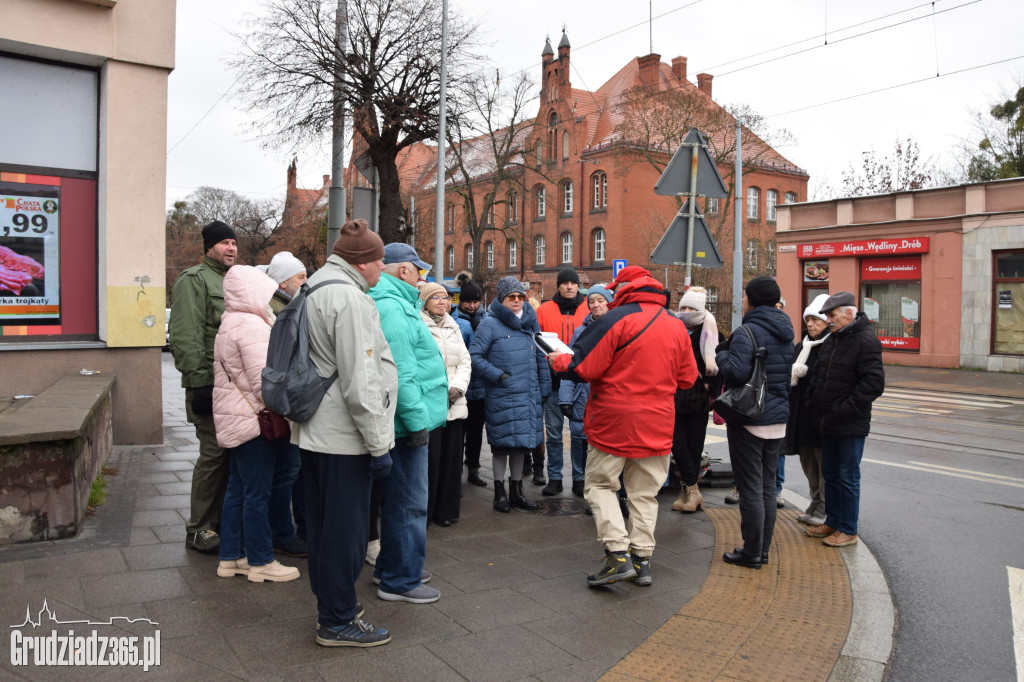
[{"x": 745, "y": 404}]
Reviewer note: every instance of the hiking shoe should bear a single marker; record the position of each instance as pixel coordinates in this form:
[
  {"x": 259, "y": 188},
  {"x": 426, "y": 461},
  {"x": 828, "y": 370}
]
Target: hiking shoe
[
  {"x": 294, "y": 547},
  {"x": 205, "y": 541},
  {"x": 577, "y": 488},
  {"x": 356, "y": 632},
  {"x": 821, "y": 531},
  {"x": 616, "y": 566},
  {"x": 275, "y": 572},
  {"x": 425, "y": 577},
  {"x": 733, "y": 497},
  {"x": 553, "y": 487},
  {"x": 642, "y": 566},
  {"x": 840, "y": 539},
  {"x": 372, "y": 550},
  {"x": 231, "y": 568},
  {"x": 418, "y": 595}
]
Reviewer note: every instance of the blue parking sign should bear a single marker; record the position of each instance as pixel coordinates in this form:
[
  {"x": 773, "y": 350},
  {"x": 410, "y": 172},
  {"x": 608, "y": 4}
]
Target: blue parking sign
[{"x": 617, "y": 266}]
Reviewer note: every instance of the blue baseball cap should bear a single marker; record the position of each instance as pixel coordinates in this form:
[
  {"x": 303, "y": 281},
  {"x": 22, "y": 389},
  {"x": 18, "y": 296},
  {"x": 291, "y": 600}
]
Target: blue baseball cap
[{"x": 399, "y": 252}]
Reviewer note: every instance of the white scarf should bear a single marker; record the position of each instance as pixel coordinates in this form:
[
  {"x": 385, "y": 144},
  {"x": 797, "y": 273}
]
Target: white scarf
[{"x": 800, "y": 365}]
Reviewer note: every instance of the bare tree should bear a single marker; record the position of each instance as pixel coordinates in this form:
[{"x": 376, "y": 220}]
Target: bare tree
[
  {"x": 904, "y": 170},
  {"x": 389, "y": 77},
  {"x": 485, "y": 160}
]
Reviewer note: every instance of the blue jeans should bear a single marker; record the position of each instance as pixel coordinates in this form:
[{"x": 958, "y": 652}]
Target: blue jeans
[
  {"x": 244, "y": 518},
  {"x": 840, "y": 467},
  {"x": 403, "y": 520},
  {"x": 286, "y": 470},
  {"x": 554, "y": 421},
  {"x": 578, "y": 453}
]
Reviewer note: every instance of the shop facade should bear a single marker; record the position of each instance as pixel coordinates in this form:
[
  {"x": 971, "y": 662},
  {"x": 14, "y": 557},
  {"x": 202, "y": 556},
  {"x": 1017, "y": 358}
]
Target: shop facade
[
  {"x": 82, "y": 199},
  {"x": 939, "y": 272}
]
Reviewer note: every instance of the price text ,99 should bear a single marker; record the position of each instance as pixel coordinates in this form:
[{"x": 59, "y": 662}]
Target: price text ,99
[{"x": 22, "y": 224}]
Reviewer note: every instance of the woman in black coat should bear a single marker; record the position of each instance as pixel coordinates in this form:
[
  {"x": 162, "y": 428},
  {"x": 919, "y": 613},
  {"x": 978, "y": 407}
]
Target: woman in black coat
[{"x": 803, "y": 438}]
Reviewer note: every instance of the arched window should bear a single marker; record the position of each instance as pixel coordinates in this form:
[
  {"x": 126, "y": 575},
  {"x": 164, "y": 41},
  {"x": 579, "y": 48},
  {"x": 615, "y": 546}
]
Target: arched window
[
  {"x": 567, "y": 247},
  {"x": 567, "y": 196},
  {"x": 489, "y": 214},
  {"x": 599, "y": 244},
  {"x": 565, "y": 145},
  {"x": 771, "y": 200},
  {"x": 513, "y": 254},
  {"x": 451, "y": 257},
  {"x": 489, "y": 254},
  {"x": 540, "y": 151},
  {"x": 538, "y": 192},
  {"x": 790, "y": 197},
  {"x": 469, "y": 256},
  {"x": 552, "y": 136},
  {"x": 450, "y": 222},
  {"x": 513, "y": 207},
  {"x": 753, "y": 199},
  {"x": 538, "y": 250},
  {"x": 600, "y": 191}
]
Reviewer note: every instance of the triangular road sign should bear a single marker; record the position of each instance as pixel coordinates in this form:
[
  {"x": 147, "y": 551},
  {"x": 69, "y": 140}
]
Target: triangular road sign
[
  {"x": 672, "y": 247},
  {"x": 676, "y": 177}
]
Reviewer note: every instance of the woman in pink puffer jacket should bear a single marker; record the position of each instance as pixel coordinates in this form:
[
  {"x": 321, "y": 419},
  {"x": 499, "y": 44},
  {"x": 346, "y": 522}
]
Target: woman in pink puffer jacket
[{"x": 239, "y": 355}]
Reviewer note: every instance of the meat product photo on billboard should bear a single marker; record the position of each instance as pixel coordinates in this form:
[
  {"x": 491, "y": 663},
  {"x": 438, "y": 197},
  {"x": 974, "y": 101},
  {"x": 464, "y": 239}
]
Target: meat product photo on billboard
[{"x": 29, "y": 254}]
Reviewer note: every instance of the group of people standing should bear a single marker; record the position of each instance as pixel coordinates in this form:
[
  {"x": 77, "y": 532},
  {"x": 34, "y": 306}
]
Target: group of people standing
[{"x": 418, "y": 379}]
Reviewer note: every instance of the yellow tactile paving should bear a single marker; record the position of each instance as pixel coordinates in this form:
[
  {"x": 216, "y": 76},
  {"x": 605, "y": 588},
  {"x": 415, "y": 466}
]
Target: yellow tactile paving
[{"x": 787, "y": 621}]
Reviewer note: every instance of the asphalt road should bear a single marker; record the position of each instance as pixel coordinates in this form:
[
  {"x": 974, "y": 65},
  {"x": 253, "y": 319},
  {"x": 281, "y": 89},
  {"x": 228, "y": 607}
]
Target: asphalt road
[{"x": 942, "y": 507}]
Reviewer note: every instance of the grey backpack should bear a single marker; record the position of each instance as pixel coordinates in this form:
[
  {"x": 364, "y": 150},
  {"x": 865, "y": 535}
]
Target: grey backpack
[{"x": 291, "y": 385}]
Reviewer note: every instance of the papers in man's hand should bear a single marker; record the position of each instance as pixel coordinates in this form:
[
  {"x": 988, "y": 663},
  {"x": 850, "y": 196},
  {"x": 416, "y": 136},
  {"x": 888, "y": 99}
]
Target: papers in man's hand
[{"x": 550, "y": 343}]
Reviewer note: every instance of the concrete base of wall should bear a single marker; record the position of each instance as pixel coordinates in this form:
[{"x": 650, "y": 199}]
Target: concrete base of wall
[{"x": 136, "y": 400}]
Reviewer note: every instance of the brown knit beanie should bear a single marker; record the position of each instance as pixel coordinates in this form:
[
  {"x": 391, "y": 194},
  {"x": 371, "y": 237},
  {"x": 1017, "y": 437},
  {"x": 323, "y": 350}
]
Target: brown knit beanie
[
  {"x": 428, "y": 289},
  {"x": 357, "y": 245}
]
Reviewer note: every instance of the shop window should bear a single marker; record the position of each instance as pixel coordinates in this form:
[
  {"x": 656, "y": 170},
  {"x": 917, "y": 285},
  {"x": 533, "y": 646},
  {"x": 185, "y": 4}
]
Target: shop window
[
  {"x": 815, "y": 279},
  {"x": 539, "y": 245},
  {"x": 1008, "y": 303},
  {"x": 890, "y": 296}
]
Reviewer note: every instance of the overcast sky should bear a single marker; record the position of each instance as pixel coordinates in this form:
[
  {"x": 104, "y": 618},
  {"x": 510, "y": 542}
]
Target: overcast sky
[{"x": 769, "y": 54}]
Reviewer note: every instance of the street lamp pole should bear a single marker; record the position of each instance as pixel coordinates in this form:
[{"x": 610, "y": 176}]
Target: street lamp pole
[
  {"x": 336, "y": 204},
  {"x": 439, "y": 212}
]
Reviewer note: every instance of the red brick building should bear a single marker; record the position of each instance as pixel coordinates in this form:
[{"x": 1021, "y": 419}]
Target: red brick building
[
  {"x": 303, "y": 229},
  {"x": 583, "y": 194}
]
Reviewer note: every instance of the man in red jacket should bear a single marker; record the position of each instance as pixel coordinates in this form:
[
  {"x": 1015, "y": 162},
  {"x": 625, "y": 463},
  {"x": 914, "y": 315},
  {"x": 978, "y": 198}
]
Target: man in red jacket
[
  {"x": 635, "y": 357},
  {"x": 562, "y": 314}
]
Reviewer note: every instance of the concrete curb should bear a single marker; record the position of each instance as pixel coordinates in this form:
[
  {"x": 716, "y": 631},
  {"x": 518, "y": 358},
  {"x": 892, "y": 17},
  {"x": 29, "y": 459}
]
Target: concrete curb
[{"x": 869, "y": 645}]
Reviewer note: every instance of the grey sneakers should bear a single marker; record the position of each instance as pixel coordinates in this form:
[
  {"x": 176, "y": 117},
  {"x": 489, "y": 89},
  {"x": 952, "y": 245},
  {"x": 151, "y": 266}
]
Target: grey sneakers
[
  {"x": 205, "y": 541},
  {"x": 424, "y": 594}
]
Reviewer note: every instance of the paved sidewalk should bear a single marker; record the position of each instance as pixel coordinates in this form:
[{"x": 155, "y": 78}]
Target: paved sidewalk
[
  {"x": 514, "y": 603},
  {"x": 1002, "y": 384}
]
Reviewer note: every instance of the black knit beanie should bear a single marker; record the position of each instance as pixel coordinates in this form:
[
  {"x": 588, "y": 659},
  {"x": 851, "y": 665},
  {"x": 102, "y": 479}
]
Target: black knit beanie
[
  {"x": 470, "y": 291},
  {"x": 763, "y": 290},
  {"x": 567, "y": 275},
  {"x": 215, "y": 233}
]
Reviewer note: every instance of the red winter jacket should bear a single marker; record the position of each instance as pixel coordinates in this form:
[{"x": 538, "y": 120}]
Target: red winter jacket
[{"x": 633, "y": 377}]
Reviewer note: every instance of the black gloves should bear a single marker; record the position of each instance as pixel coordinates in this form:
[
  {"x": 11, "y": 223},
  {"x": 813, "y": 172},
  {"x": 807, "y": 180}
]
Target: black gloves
[
  {"x": 202, "y": 401},
  {"x": 566, "y": 410},
  {"x": 504, "y": 375},
  {"x": 418, "y": 439},
  {"x": 380, "y": 467},
  {"x": 453, "y": 395}
]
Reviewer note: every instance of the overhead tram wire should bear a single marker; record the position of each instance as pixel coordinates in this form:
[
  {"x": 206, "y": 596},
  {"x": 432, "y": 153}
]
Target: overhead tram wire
[
  {"x": 203, "y": 117},
  {"x": 893, "y": 87}
]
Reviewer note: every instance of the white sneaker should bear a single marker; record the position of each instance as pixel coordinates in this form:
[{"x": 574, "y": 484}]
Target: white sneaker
[
  {"x": 275, "y": 572},
  {"x": 229, "y": 569},
  {"x": 372, "y": 550},
  {"x": 733, "y": 497},
  {"x": 816, "y": 521}
]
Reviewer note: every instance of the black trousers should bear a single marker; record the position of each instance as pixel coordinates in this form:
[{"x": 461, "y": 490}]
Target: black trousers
[
  {"x": 474, "y": 428},
  {"x": 688, "y": 444},
  {"x": 754, "y": 461},
  {"x": 444, "y": 472},
  {"x": 337, "y": 505}
]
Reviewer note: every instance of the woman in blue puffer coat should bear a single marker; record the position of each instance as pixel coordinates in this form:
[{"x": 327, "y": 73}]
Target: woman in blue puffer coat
[{"x": 517, "y": 381}]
